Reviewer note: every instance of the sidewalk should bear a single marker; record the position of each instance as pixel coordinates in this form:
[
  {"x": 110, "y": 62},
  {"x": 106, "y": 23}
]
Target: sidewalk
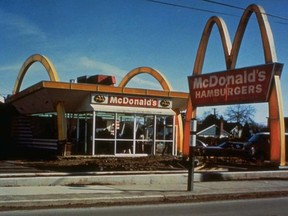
[
  {"x": 45, "y": 189},
  {"x": 99, "y": 195}
]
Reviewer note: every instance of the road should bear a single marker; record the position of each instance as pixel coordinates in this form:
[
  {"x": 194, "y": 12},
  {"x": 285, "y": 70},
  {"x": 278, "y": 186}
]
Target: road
[{"x": 255, "y": 207}]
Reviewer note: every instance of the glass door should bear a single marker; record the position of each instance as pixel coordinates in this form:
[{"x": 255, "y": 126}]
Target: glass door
[
  {"x": 125, "y": 133},
  {"x": 144, "y": 133}
]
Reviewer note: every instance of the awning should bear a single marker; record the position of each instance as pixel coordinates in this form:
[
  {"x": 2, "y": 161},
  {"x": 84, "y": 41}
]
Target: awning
[{"x": 124, "y": 109}]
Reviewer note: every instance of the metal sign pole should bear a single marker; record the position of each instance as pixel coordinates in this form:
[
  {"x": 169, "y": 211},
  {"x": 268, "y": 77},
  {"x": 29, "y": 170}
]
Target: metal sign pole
[{"x": 193, "y": 131}]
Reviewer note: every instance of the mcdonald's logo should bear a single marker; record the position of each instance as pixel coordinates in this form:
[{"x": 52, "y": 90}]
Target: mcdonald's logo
[
  {"x": 231, "y": 50},
  {"x": 244, "y": 85}
]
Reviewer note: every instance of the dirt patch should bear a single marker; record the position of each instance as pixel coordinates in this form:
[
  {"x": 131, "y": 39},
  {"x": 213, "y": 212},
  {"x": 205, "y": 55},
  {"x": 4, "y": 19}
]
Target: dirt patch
[
  {"x": 84, "y": 164},
  {"x": 148, "y": 163}
]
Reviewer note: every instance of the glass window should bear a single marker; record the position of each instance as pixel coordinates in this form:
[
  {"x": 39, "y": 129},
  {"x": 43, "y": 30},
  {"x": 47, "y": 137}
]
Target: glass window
[
  {"x": 164, "y": 135},
  {"x": 104, "y": 125},
  {"x": 124, "y": 147},
  {"x": 164, "y": 127},
  {"x": 144, "y": 133},
  {"x": 130, "y": 133},
  {"x": 125, "y": 133},
  {"x": 104, "y": 133},
  {"x": 104, "y": 147},
  {"x": 126, "y": 126}
]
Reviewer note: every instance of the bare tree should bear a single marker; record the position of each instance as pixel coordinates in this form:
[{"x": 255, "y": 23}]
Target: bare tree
[{"x": 240, "y": 113}]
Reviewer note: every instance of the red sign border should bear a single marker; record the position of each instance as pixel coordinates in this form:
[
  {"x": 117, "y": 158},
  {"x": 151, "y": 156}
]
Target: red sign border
[{"x": 276, "y": 69}]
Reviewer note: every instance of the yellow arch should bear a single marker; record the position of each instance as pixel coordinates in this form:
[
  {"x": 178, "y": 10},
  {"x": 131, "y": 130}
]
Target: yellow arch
[
  {"x": 156, "y": 74},
  {"x": 276, "y": 118},
  {"x": 265, "y": 30},
  {"x": 232, "y": 54},
  {"x": 225, "y": 38},
  {"x": 60, "y": 109},
  {"x": 165, "y": 86},
  {"x": 198, "y": 65},
  {"x": 32, "y": 59}
]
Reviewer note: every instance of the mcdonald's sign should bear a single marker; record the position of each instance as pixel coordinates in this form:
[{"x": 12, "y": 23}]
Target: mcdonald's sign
[
  {"x": 253, "y": 84},
  {"x": 244, "y": 85}
]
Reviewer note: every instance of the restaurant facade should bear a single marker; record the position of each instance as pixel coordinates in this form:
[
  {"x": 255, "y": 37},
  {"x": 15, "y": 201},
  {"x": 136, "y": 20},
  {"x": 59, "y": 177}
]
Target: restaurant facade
[{"x": 93, "y": 116}]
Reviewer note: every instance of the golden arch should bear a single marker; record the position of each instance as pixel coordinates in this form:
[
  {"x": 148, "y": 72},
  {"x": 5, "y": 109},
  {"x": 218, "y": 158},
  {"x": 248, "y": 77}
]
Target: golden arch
[
  {"x": 60, "y": 109},
  {"x": 156, "y": 74},
  {"x": 225, "y": 39},
  {"x": 165, "y": 86},
  {"x": 276, "y": 118},
  {"x": 265, "y": 30},
  {"x": 198, "y": 65},
  {"x": 32, "y": 59}
]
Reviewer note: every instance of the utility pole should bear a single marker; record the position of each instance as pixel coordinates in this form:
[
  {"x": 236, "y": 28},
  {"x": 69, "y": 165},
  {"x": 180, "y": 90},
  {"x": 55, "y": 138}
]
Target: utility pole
[{"x": 193, "y": 132}]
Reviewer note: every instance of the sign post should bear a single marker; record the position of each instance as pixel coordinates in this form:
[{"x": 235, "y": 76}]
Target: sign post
[{"x": 193, "y": 131}]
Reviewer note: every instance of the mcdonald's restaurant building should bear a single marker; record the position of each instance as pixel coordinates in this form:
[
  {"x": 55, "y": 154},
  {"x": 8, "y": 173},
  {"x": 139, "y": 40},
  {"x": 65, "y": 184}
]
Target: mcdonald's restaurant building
[{"x": 92, "y": 116}]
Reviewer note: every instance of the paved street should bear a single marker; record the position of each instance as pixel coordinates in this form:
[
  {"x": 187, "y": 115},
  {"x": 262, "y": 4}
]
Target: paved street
[{"x": 266, "y": 206}]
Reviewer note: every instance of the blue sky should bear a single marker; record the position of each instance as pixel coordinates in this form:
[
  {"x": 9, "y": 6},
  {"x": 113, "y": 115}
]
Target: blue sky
[{"x": 88, "y": 37}]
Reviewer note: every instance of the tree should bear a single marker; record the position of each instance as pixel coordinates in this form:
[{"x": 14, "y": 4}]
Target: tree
[
  {"x": 240, "y": 114},
  {"x": 211, "y": 119}
]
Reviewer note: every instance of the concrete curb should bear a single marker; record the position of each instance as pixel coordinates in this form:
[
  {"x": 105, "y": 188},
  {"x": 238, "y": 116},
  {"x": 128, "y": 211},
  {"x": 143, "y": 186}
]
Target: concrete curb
[
  {"x": 131, "y": 179},
  {"x": 52, "y": 179},
  {"x": 244, "y": 175}
]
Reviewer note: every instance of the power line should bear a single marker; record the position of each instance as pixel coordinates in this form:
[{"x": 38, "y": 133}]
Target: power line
[
  {"x": 240, "y": 8},
  {"x": 214, "y": 12},
  {"x": 223, "y": 4},
  {"x": 191, "y": 8}
]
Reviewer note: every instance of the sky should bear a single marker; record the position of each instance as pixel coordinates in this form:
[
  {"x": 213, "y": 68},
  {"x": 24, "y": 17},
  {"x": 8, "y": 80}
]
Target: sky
[{"x": 89, "y": 37}]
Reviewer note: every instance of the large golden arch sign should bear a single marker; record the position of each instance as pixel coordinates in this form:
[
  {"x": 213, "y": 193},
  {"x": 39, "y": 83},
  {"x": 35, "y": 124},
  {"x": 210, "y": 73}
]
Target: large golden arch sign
[{"x": 276, "y": 119}]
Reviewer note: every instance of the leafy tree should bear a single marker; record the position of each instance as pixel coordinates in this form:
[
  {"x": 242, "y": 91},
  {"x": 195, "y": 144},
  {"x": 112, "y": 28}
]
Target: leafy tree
[{"x": 240, "y": 114}]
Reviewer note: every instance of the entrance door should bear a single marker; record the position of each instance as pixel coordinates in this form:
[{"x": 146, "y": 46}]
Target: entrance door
[
  {"x": 125, "y": 133},
  {"x": 144, "y": 134},
  {"x": 135, "y": 134}
]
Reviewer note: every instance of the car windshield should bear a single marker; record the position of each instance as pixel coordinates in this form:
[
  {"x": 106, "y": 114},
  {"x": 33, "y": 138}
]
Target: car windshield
[{"x": 258, "y": 137}]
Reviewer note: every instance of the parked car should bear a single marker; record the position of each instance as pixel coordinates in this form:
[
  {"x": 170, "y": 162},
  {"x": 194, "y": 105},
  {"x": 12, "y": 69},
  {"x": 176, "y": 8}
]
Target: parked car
[
  {"x": 258, "y": 146},
  {"x": 200, "y": 144},
  {"x": 225, "y": 149}
]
